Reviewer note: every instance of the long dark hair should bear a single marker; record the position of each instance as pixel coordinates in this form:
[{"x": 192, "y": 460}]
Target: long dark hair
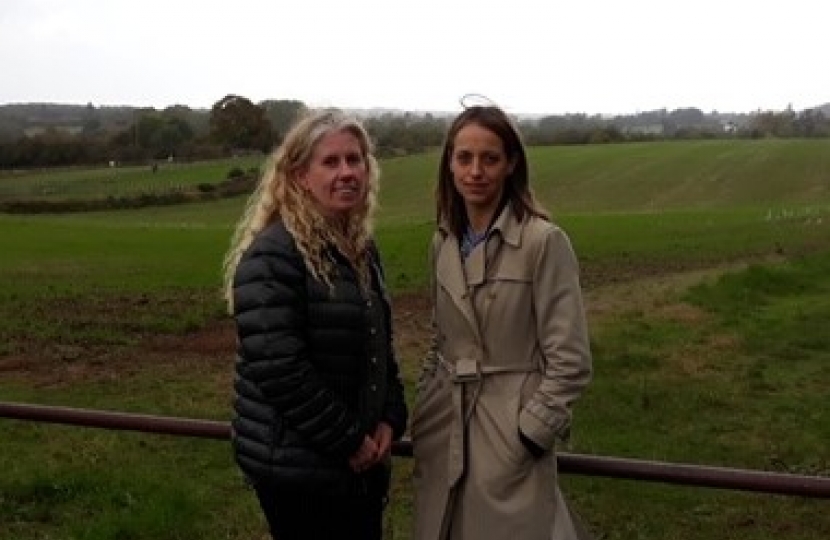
[{"x": 517, "y": 192}]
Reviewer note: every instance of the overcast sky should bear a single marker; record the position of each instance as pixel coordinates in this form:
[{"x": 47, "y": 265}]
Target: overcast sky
[{"x": 545, "y": 56}]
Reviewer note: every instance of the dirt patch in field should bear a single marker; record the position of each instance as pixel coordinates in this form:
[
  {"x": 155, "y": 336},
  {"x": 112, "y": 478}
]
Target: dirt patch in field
[
  {"x": 211, "y": 347},
  {"x": 218, "y": 340},
  {"x": 610, "y": 292}
]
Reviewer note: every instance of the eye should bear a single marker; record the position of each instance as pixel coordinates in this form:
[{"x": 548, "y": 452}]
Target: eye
[
  {"x": 463, "y": 157},
  {"x": 491, "y": 158},
  {"x": 330, "y": 161},
  {"x": 354, "y": 159}
]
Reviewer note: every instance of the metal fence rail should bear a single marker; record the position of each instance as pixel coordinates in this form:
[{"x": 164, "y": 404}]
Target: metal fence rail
[{"x": 583, "y": 464}]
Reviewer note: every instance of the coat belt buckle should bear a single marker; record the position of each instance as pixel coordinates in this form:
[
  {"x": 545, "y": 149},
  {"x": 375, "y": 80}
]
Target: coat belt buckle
[{"x": 466, "y": 370}]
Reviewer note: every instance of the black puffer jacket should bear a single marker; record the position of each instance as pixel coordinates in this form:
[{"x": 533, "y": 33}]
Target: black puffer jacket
[{"x": 315, "y": 370}]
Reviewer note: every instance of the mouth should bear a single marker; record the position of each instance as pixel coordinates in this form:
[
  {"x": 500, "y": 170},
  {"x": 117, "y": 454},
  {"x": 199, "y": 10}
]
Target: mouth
[{"x": 347, "y": 189}]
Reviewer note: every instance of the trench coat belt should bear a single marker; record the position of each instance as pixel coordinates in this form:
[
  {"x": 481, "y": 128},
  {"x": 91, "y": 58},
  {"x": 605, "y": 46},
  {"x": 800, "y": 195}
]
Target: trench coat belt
[
  {"x": 465, "y": 371},
  {"x": 462, "y": 373}
]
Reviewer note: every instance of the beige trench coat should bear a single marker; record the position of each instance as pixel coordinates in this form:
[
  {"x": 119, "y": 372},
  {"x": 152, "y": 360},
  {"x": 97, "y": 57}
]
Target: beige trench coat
[{"x": 511, "y": 354}]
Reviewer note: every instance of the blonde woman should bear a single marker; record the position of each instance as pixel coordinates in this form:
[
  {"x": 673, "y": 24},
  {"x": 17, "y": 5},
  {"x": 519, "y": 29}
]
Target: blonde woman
[{"x": 318, "y": 396}]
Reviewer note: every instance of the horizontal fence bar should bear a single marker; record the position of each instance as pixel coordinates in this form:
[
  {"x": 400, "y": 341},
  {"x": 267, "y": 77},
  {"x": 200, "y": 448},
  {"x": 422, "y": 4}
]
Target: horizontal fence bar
[{"x": 582, "y": 464}]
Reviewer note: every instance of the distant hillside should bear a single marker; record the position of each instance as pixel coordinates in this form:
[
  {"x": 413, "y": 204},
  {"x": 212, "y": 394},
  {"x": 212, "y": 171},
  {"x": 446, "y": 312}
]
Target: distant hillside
[
  {"x": 29, "y": 119},
  {"x": 20, "y": 119}
]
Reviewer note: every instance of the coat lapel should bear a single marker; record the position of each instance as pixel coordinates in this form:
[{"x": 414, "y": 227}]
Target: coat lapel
[
  {"x": 451, "y": 277},
  {"x": 450, "y": 271}
]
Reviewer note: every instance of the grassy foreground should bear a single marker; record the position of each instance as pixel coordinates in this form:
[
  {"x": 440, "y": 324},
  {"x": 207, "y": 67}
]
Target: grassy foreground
[{"x": 707, "y": 320}]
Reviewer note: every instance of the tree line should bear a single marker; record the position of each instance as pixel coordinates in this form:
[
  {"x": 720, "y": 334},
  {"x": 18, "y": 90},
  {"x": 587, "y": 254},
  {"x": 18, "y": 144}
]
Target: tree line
[{"x": 43, "y": 135}]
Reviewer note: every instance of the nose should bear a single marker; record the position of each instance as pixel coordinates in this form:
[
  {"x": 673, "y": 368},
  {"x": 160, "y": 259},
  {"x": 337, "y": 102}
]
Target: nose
[
  {"x": 477, "y": 168},
  {"x": 346, "y": 168}
]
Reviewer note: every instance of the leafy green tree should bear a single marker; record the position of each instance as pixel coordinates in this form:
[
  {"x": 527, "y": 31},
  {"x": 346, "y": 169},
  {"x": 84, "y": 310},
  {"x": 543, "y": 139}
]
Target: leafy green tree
[
  {"x": 812, "y": 123},
  {"x": 196, "y": 120},
  {"x": 91, "y": 121},
  {"x": 282, "y": 114},
  {"x": 161, "y": 134},
  {"x": 239, "y": 124}
]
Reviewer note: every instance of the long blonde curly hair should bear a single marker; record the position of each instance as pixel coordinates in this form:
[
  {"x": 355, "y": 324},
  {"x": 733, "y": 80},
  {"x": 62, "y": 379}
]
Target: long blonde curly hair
[{"x": 278, "y": 195}]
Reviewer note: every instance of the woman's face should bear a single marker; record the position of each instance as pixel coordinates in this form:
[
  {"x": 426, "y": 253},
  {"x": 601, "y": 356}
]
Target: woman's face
[
  {"x": 337, "y": 174},
  {"x": 480, "y": 167}
]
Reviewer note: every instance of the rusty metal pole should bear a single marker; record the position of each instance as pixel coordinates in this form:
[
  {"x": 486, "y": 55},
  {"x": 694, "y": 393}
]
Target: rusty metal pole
[
  {"x": 116, "y": 420},
  {"x": 697, "y": 475},
  {"x": 611, "y": 467}
]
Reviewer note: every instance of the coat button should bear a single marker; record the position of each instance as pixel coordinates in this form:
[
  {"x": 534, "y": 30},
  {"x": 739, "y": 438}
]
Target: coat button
[
  {"x": 374, "y": 359},
  {"x": 372, "y": 331}
]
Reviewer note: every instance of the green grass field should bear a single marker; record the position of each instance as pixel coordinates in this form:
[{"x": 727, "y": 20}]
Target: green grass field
[{"x": 706, "y": 267}]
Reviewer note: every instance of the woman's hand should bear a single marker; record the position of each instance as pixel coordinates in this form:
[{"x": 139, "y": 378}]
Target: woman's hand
[
  {"x": 383, "y": 440},
  {"x": 373, "y": 450},
  {"x": 365, "y": 456}
]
